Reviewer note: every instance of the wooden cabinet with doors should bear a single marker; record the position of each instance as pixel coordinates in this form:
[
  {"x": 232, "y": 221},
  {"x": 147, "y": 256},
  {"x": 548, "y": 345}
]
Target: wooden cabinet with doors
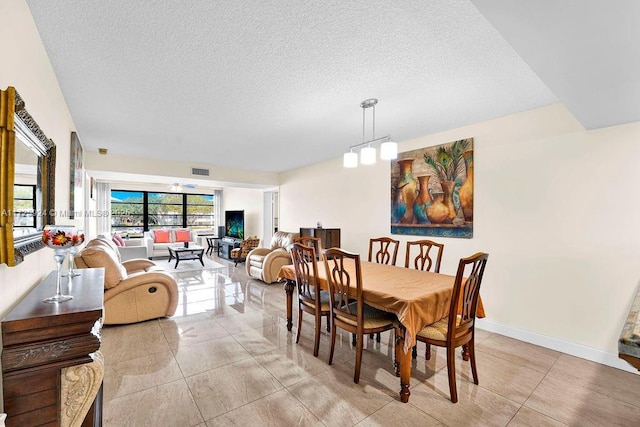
[
  {"x": 43, "y": 344},
  {"x": 330, "y": 237}
]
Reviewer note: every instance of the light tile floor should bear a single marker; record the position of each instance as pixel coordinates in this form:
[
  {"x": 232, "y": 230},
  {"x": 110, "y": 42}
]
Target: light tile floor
[{"x": 226, "y": 358}]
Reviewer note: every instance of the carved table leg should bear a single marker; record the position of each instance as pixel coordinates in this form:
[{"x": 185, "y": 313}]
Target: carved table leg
[
  {"x": 465, "y": 352},
  {"x": 289, "y": 285},
  {"x": 79, "y": 386},
  {"x": 404, "y": 360}
]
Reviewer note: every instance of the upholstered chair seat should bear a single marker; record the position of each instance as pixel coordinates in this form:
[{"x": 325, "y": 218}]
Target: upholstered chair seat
[
  {"x": 265, "y": 263},
  {"x": 240, "y": 254}
]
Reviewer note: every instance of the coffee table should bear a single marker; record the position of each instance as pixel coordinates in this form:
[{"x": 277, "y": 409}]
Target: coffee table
[{"x": 182, "y": 253}]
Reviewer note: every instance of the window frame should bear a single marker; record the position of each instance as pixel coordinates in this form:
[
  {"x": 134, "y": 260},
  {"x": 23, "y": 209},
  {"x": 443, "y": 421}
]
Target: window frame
[
  {"x": 184, "y": 215},
  {"x": 34, "y": 223}
]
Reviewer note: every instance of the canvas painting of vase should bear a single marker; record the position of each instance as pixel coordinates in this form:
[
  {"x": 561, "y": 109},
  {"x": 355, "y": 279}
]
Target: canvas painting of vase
[{"x": 432, "y": 191}]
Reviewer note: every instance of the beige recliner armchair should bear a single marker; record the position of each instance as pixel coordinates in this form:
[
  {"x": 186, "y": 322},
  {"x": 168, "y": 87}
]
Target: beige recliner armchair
[
  {"x": 135, "y": 290},
  {"x": 265, "y": 263}
]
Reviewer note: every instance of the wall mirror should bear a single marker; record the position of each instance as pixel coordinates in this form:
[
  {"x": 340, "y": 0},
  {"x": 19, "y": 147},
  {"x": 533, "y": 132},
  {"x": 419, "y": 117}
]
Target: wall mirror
[{"x": 27, "y": 180}]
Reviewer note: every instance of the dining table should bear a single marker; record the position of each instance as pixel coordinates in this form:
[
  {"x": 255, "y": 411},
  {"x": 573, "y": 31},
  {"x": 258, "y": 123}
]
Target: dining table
[{"x": 417, "y": 298}]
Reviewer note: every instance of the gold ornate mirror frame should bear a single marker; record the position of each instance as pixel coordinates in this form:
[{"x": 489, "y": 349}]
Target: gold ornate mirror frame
[{"x": 14, "y": 117}]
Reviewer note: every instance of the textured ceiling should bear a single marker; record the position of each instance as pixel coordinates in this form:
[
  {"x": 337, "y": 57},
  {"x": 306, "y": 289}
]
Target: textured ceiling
[
  {"x": 586, "y": 51},
  {"x": 276, "y": 85}
]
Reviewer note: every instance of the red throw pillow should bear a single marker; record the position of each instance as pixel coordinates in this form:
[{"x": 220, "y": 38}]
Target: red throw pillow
[
  {"x": 161, "y": 236},
  {"x": 119, "y": 241},
  {"x": 183, "y": 235}
]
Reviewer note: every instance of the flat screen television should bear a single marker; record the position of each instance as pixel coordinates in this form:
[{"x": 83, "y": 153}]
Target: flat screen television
[{"x": 234, "y": 224}]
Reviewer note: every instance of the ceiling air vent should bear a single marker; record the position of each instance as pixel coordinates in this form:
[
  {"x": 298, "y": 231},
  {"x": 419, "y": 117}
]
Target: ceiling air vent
[{"x": 200, "y": 171}]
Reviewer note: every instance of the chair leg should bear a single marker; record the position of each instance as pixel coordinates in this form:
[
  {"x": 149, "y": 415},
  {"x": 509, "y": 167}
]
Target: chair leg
[
  {"x": 378, "y": 337},
  {"x": 353, "y": 339},
  {"x": 316, "y": 340},
  {"x": 451, "y": 369},
  {"x": 359, "y": 347},
  {"x": 371, "y": 336},
  {"x": 328, "y": 324},
  {"x": 427, "y": 352},
  {"x": 299, "y": 325},
  {"x": 333, "y": 342},
  {"x": 472, "y": 359},
  {"x": 414, "y": 351}
]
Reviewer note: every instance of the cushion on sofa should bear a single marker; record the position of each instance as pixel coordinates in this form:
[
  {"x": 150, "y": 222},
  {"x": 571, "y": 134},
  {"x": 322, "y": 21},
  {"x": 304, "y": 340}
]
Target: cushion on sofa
[
  {"x": 114, "y": 272},
  {"x": 283, "y": 239},
  {"x": 183, "y": 236},
  {"x": 119, "y": 241},
  {"x": 107, "y": 244},
  {"x": 160, "y": 236}
]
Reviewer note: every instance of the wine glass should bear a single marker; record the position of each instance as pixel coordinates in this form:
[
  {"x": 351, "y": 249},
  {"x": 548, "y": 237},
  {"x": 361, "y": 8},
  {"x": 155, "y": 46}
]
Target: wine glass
[
  {"x": 72, "y": 251},
  {"x": 60, "y": 238}
]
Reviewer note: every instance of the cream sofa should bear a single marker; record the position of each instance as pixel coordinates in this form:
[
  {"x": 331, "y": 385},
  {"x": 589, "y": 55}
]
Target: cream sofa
[
  {"x": 265, "y": 263},
  {"x": 135, "y": 290},
  {"x": 132, "y": 249},
  {"x": 156, "y": 244}
]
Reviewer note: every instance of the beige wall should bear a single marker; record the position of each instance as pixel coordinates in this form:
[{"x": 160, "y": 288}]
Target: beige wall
[
  {"x": 25, "y": 66},
  {"x": 250, "y": 201},
  {"x": 556, "y": 208},
  {"x": 220, "y": 176}
]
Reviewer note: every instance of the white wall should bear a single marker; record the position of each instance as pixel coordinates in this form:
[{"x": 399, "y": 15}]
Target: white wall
[
  {"x": 26, "y": 67},
  {"x": 179, "y": 171},
  {"x": 555, "y": 207},
  {"x": 251, "y": 202}
]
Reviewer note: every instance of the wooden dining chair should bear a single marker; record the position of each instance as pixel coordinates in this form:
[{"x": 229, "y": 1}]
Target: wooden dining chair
[
  {"x": 311, "y": 299},
  {"x": 348, "y": 310},
  {"x": 316, "y": 243},
  {"x": 386, "y": 250},
  {"x": 428, "y": 257},
  {"x": 458, "y": 328}
]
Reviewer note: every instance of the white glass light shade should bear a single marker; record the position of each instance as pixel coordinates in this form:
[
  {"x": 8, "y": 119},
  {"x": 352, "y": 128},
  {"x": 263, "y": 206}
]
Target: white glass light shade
[
  {"x": 350, "y": 160},
  {"x": 388, "y": 150},
  {"x": 368, "y": 156}
]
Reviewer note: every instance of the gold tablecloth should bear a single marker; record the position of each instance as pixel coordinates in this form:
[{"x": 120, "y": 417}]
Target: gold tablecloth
[{"x": 418, "y": 298}]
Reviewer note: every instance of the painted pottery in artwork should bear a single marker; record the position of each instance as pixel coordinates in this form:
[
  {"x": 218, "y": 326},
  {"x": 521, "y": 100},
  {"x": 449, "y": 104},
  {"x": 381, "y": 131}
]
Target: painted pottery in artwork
[
  {"x": 438, "y": 212},
  {"x": 398, "y": 207},
  {"x": 466, "y": 190},
  {"x": 423, "y": 201},
  {"x": 406, "y": 189},
  {"x": 447, "y": 188}
]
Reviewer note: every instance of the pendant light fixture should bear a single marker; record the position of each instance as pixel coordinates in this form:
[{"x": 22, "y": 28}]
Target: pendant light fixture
[{"x": 388, "y": 148}]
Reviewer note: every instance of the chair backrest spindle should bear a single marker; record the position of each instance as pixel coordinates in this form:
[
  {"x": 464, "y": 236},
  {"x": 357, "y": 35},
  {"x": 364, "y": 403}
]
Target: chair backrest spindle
[
  {"x": 306, "y": 271},
  {"x": 343, "y": 287},
  {"x": 429, "y": 255},
  {"x": 386, "y": 250},
  {"x": 466, "y": 290}
]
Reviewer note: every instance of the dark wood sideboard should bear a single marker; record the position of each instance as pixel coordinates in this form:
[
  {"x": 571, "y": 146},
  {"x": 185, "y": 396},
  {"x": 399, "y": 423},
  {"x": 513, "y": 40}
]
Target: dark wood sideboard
[
  {"x": 330, "y": 237},
  {"x": 39, "y": 340}
]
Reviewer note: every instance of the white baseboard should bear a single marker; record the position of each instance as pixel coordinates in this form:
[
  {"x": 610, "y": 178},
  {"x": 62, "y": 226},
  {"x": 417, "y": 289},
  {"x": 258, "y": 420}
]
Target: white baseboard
[{"x": 578, "y": 350}]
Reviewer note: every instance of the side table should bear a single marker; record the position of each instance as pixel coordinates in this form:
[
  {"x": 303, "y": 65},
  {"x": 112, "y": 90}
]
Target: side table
[{"x": 42, "y": 347}]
